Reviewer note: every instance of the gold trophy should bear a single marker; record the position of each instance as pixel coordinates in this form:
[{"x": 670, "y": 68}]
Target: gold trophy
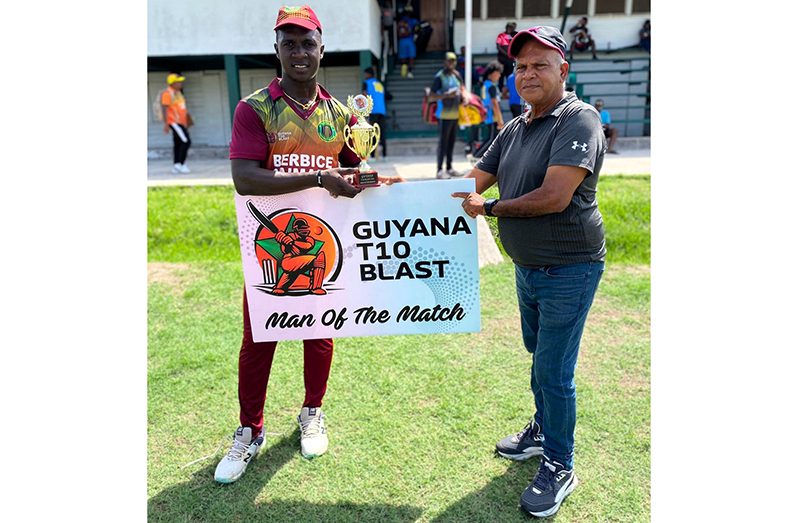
[{"x": 362, "y": 138}]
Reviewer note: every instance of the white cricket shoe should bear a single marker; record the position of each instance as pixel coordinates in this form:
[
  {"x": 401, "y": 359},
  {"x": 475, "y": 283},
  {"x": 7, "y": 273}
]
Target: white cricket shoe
[
  {"x": 176, "y": 169},
  {"x": 184, "y": 168},
  {"x": 442, "y": 175},
  {"x": 313, "y": 439},
  {"x": 238, "y": 457}
]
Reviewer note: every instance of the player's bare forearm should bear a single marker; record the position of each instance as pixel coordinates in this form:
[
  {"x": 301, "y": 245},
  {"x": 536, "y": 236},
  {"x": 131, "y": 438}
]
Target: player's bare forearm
[{"x": 250, "y": 178}]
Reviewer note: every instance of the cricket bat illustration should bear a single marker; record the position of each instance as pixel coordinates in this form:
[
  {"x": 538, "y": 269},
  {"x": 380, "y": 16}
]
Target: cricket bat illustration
[{"x": 266, "y": 222}]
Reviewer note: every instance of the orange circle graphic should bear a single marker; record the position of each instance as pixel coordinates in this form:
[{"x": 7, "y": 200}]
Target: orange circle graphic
[{"x": 320, "y": 232}]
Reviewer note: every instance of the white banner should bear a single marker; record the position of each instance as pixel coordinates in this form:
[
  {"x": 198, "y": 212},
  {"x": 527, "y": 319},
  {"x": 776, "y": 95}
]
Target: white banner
[{"x": 398, "y": 259}]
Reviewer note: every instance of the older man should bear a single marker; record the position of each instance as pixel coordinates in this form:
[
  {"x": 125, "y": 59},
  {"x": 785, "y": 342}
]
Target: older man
[{"x": 547, "y": 164}]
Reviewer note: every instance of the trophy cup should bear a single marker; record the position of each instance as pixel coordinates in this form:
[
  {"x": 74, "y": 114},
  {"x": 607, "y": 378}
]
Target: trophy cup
[{"x": 362, "y": 138}]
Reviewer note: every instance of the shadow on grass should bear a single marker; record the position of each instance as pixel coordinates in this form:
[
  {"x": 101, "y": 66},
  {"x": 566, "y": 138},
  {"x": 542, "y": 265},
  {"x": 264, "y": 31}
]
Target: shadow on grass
[
  {"x": 499, "y": 500},
  {"x": 202, "y": 499}
]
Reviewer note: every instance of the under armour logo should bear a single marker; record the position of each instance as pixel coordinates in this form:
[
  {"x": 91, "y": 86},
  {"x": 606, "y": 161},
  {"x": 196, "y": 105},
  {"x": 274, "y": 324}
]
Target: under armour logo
[{"x": 577, "y": 144}]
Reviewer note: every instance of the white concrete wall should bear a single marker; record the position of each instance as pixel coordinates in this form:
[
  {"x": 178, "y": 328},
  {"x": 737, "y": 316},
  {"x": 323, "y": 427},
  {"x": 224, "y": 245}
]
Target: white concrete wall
[
  {"x": 617, "y": 29},
  {"x": 212, "y": 27},
  {"x": 206, "y": 99}
]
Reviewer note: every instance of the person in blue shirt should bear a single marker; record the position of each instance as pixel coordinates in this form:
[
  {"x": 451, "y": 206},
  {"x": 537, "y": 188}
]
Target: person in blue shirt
[
  {"x": 374, "y": 88},
  {"x": 406, "y": 30},
  {"x": 611, "y": 133},
  {"x": 490, "y": 99},
  {"x": 513, "y": 97}
]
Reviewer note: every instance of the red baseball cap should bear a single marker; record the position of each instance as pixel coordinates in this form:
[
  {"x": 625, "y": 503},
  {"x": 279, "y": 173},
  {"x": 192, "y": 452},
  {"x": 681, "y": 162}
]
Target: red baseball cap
[
  {"x": 546, "y": 35},
  {"x": 303, "y": 16}
]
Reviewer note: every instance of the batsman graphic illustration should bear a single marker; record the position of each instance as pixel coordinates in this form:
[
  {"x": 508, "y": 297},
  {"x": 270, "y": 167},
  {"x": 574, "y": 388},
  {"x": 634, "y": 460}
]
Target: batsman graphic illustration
[{"x": 300, "y": 254}]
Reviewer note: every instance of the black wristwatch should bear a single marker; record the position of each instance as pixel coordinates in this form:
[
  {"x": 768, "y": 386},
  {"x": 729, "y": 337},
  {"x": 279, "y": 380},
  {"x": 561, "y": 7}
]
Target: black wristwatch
[{"x": 489, "y": 205}]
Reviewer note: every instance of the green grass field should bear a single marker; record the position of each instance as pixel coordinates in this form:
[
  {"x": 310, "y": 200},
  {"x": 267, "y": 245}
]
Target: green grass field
[{"x": 413, "y": 420}]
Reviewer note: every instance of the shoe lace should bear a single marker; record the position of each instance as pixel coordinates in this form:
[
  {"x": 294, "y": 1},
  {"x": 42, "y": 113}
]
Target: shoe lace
[
  {"x": 311, "y": 426},
  {"x": 545, "y": 476},
  {"x": 238, "y": 450},
  {"x": 525, "y": 430}
]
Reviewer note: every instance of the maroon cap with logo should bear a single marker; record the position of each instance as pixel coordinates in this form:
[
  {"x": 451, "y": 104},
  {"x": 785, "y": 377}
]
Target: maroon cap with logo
[
  {"x": 546, "y": 35},
  {"x": 303, "y": 16}
]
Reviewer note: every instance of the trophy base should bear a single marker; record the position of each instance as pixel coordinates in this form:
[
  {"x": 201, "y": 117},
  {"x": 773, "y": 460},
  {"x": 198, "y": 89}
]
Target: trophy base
[{"x": 367, "y": 179}]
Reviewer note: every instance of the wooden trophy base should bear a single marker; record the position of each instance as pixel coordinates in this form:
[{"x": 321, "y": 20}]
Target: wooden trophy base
[{"x": 367, "y": 179}]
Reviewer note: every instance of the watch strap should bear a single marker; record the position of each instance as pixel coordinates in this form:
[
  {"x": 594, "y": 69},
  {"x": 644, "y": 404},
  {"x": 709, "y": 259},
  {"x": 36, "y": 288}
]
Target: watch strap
[{"x": 489, "y": 205}]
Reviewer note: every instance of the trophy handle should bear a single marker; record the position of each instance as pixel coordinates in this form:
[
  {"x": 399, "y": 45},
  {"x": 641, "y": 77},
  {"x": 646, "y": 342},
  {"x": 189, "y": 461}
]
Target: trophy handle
[
  {"x": 375, "y": 138},
  {"x": 347, "y": 137}
]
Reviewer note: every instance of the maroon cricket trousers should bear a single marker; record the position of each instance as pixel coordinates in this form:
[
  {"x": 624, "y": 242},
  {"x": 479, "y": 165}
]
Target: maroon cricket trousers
[{"x": 254, "y": 366}]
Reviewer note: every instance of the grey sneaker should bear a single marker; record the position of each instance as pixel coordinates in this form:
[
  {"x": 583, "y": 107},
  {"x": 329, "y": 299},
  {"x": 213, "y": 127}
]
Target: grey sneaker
[
  {"x": 523, "y": 445},
  {"x": 313, "y": 438},
  {"x": 244, "y": 448},
  {"x": 442, "y": 175},
  {"x": 552, "y": 484},
  {"x": 454, "y": 174}
]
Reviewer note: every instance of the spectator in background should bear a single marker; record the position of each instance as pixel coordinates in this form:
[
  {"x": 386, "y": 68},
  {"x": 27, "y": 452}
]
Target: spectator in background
[
  {"x": 476, "y": 88},
  {"x": 490, "y": 99},
  {"x": 475, "y": 73},
  {"x": 176, "y": 119},
  {"x": 645, "y": 36},
  {"x": 374, "y": 88},
  {"x": 611, "y": 133},
  {"x": 446, "y": 90},
  {"x": 582, "y": 39},
  {"x": 502, "y": 45},
  {"x": 461, "y": 60},
  {"x": 513, "y": 97},
  {"x": 405, "y": 29},
  {"x": 387, "y": 18}
]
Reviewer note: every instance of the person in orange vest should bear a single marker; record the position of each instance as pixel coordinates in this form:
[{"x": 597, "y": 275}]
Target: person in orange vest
[{"x": 176, "y": 119}]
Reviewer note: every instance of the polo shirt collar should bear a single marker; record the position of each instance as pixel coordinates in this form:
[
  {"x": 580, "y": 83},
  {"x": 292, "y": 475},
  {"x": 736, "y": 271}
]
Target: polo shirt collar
[
  {"x": 276, "y": 91},
  {"x": 560, "y": 106},
  {"x": 570, "y": 96}
]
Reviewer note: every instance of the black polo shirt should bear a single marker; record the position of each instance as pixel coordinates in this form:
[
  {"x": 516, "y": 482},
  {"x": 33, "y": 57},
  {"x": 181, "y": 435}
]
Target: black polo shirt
[{"x": 569, "y": 134}]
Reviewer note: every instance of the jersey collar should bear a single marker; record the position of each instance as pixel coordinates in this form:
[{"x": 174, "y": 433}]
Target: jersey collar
[{"x": 275, "y": 91}]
